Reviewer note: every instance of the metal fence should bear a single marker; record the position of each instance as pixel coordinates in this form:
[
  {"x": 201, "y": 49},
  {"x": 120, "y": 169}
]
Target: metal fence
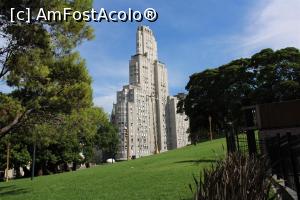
[
  {"x": 284, "y": 156},
  {"x": 282, "y": 152}
]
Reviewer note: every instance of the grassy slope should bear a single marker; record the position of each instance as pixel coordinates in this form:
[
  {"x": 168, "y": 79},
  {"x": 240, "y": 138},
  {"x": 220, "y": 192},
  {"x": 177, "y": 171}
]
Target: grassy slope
[{"x": 163, "y": 176}]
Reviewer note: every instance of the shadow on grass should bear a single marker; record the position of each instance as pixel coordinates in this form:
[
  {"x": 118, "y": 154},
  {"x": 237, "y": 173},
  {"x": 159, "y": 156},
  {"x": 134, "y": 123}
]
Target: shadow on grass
[
  {"x": 197, "y": 161},
  {"x": 11, "y": 190}
]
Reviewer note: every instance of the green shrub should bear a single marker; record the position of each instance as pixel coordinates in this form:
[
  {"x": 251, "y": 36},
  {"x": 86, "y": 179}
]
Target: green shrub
[{"x": 237, "y": 177}]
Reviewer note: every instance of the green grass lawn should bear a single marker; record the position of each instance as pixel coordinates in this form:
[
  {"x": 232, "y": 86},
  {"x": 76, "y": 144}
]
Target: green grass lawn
[{"x": 163, "y": 176}]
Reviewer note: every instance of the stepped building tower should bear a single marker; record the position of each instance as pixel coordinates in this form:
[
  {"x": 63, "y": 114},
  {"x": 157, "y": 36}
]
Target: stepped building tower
[{"x": 144, "y": 113}]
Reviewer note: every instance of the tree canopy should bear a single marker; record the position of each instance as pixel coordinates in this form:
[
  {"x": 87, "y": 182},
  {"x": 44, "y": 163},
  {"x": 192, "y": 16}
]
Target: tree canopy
[
  {"x": 72, "y": 141},
  {"x": 268, "y": 76},
  {"x": 39, "y": 64},
  {"x": 49, "y": 105}
]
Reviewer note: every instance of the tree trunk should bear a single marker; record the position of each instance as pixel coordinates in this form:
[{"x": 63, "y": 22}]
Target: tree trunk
[
  {"x": 7, "y": 128},
  {"x": 18, "y": 172},
  {"x": 87, "y": 165},
  {"x": 66, "y": 167},
  {"x": 74, "y": 167},
  {"x": 26, "y": 172},
  {"x": 38, "y": 169},
  {"x": 40, "y": 172},
  {"x": 4, "y": 130},
  {"x": 52, "y": 168}
]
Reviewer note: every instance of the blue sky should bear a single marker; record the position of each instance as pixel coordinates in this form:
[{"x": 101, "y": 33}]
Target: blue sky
[{"x": 191, "y": 35}]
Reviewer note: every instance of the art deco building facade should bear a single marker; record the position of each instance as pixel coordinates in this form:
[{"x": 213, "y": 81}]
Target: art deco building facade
[
  {"x": 178, "y": 124},
  {"x": 141, "y": 111}
]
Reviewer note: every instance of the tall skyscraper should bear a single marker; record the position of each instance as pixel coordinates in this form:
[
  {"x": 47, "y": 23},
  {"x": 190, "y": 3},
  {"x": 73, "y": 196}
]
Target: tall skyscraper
[{"x": 141, "y": 109}]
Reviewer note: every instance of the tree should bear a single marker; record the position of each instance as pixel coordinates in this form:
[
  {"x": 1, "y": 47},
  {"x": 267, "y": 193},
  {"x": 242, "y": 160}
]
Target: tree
[
  {"x": 39, "y": 64},
  {"x": 57, "y": 145},
  {"x": 19, "y": 156},
  {"x": 277, "y": 75},
  {"x": 268, "y": 76},
  {"x": 107, "y": 140},
  {"x": 50, "y": 103},
  {"x": 85, "y": 125},
  {"x": 11, "y": 111}
]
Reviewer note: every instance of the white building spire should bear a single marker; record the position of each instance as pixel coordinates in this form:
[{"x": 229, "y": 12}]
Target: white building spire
[{"x": 146, "y": 43}]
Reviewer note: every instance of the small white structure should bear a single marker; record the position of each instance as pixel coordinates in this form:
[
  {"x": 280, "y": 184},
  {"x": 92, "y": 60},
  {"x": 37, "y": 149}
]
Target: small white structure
[{"x": 110, "y": 160}]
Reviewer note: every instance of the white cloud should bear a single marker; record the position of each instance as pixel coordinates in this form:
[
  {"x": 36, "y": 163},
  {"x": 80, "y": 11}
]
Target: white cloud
[
  {"x": 108, "y": 68},
  {"x": 105, "y": 94},
  {"x": 176, "y": 79},
  {"x": 104, "y": 89},
  {"x": 106, "y": 102},
  {"x": 274, "y": 24},
  {"x": 4, "y": 88},
  {"x": 2, "y": 42}
]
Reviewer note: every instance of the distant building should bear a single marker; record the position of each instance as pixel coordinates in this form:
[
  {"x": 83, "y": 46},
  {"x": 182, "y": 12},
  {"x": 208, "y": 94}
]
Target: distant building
[
  {"x": 142, "y": 106},
  {"x": 178, "y": 124}
]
